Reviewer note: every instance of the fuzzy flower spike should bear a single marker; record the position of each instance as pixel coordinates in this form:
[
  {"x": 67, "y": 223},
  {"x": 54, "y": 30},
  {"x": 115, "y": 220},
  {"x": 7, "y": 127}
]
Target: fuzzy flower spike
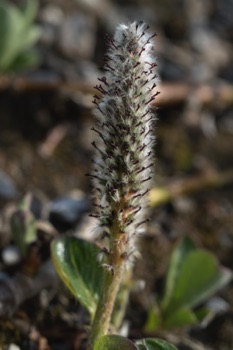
[{"x": 124, "y": 159}]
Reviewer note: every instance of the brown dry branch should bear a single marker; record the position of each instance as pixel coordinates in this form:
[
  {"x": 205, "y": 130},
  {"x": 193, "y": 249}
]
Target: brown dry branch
[
  {"x": 171, "y": 93},
  {"x": 55, "y": 136},
  {"x": 187, "y": 186}
]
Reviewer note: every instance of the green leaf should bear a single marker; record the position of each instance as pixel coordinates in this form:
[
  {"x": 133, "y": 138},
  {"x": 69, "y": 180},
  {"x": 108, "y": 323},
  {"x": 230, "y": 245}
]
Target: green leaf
[
  {"x": 17, "y": 32},
  {"x": 176, "y": 261},
  {"x": 199, "y": 278},
  {"x": 204, "y": 314},
  {"x": 153, "y": 319},
  {"x": 180, "y": 318},
  {"x": 23, "y": 225},
  {"x": 30, "y": 37},
  {"x": 141, "y": 347},
  {"x": 193, "y": 278},
  {"x": 114, "y": 342},
  {"x": 11, "y": 26},
  {"x": 29, "y": 11},
  {"x": 25, "y": 60},
  {"x": 77, "y": 265},
  {"x": 154, "y": 344}
]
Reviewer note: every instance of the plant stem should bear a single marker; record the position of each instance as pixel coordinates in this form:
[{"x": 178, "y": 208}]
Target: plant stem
[
  {"x": 123, "y": 166},
  {"x": 113, "y": 278},
  {"x": 122, "y": 299}
]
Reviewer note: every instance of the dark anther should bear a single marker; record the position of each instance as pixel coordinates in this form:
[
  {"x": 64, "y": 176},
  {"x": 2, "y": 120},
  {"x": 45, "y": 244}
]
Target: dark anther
[
  {"x": 94, "y": 176},
  {"x": 151, "y": 64},
  {"x": 145, "y": 192},
  {"x": 101, "y": 89},
  {"x": 148, "y": 120},
  {"x": 124, "y": 256},
  {"x": 142, "y": 222},
  {"x": 148, "y": 132},
  {"x": 143, "y": 33},
  {"x": 156, "y": 94},
  {"x": 98, "y": 149},
  {"x": 145, "y": 114},
  {"x": 142, "y": 147},
  {"x": 138, "y": 106},
  {"x": 128, "y": 223},
  {"x": 153, "y": 86},
  {"x": 136, "y": 64},
  {"x": 138, "y": 209},
  {"x": 95, "y": 102},
  {"x": 143, "y": 130},
  {"x": 103, "y": 80},
  {"x": 147, "y": 179},
  {"x": 98, "y": 107},
  {"x": 97, "y": 216},
  {"x": 141, "y": 51},
  {"x": 140, "y": 94},
  {"x": 110, "y": 41},
  {"x": 152, "y": 36},
  {"x": 107, "y": 67},
  {"x": 145, "y": 82},
  {"x": 105, "y": 234},
  {"x": 105, "y": 251},
  {"x": 150, "y": 100},
  {"x": 107, "y": 58}
]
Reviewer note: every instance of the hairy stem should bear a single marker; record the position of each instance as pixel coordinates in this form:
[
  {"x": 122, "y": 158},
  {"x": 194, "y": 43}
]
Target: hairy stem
[
  {"x": 122, "y": 299},
  {"x": 111, "y": 285}
]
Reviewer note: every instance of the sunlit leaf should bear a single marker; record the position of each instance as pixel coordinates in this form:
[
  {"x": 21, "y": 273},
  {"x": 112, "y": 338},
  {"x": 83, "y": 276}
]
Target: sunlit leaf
[
  {"x": 154, "y": 344},
  {"x": 176, "y": 261},
  {"x": 11, "y": 26},
  {"x": 193, "y": 276},
  {"x": 29, "y": 10},
  {"x": 181, "y": 317},
  {"x": 17, "y": 32},
  {"x": 77, "y": 265},
  {"x": 114, "y": 342}
]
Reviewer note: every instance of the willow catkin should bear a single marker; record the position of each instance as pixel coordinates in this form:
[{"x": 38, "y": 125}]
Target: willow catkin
[{"x": 124, "y": 156}]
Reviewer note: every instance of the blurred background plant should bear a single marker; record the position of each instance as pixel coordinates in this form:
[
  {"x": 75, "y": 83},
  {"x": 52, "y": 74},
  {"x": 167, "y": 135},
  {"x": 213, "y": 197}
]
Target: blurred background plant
[
  {"x": 18, "y": 35},
  {"x": 193, "y": 276}
]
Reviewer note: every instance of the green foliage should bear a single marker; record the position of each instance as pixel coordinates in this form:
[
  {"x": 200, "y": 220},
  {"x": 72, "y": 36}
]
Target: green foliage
[
  {"x": 18, "y": 34},
  {"x": 76, "y": 264},
  {"x": 23, "y": 226},
  {"x": 116, "y": 342},
  {"x": 193, "y": 276},
  {"x": 154, "y": 344}
]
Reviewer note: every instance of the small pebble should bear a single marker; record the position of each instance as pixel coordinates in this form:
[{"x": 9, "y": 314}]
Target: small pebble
[
  {"x": 11, "y": 255},
  {"x": 7, "y": 188},
  {"x": 65, "y": 213},
  {"x": 13, "y": 347}
]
